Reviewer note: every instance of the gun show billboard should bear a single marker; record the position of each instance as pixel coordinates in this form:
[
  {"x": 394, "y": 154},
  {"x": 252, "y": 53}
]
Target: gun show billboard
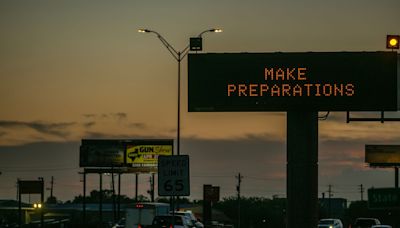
[
  {"x": 142, "y": 153},
  {"x": 313, "y": 81},
  {"x": 123, "y": 152},
  {"x": 382, "y": 155}
]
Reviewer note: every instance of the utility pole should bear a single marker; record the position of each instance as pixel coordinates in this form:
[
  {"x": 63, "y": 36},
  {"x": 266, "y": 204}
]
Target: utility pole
[
  {"x": 329, "y": 201},
  {"x": 239, "y": 178},
  {"x": 151, "y": 191},
  {"x": 51, "y": 187},
  {"x": 362, "y": 192}
]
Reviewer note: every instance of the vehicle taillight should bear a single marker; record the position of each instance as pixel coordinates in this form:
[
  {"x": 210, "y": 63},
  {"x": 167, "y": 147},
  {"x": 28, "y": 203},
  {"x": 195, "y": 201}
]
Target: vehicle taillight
[
  {"x": 170, "y": 226},
  {"x": 139, "y": 226}
]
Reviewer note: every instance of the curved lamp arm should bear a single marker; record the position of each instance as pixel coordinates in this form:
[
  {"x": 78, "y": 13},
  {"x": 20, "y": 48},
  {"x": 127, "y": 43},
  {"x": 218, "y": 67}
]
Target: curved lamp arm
[
  {"x": 186, "y": 50},
  {"x": 176, "y": 54}
]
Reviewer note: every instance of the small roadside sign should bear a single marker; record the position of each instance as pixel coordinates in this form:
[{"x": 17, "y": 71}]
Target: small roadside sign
[
  {"x": 173, "y": 175},
  {"x": 383, "y": 198},
  {"x": 211, "y": 193}
]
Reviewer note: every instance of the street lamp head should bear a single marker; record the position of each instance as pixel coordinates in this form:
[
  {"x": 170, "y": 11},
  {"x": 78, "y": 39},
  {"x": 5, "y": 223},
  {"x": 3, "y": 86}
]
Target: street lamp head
[
  {"x": 215, "y": 30},
  {"x": 144, "y": 30}
]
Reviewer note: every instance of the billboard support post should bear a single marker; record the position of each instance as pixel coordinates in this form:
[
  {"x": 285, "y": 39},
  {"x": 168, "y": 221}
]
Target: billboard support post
[
  {"x": 302, "y": 169},
  {"x": 101, "y": 200},
  {"x": 42, "y": 202},
  {"x": 113, "y": 196},
  {"x": 19, "y": 204},
  {"x": 396, "y": 177},
  {"x": 119, "y": 196},
  {"x": 136, "y": 186},
  {"x": 84, "y": 198}
]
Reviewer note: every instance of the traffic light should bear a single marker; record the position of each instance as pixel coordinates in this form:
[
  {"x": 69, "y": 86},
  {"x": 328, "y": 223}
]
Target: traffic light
[{"x": 392, "y": 41}]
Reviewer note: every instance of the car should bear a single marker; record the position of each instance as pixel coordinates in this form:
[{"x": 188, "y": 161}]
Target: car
[
  {"x": 330, "y": 223},
  {"x": 365, "y": 222},
  {"x": 381, "y": 226},
  {"x": 120, "y": 224},
  {"x": 194, "y": 222},
  {"x": 165, "y": 221}
]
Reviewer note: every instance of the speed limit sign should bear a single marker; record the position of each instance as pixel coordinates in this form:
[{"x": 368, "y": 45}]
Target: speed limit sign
[{"x": 173, "y": 175}]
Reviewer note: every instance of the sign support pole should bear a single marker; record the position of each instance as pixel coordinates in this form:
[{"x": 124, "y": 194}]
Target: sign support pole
[
  {"x": 42, "y": 202},
  {"x": 101, "y": 200},
  {"x": 396, "y": 177},
  {"x": 302, "y": 169},
  {"x": 136, "y": 186},
  {"x": 84, "y": 198},
  {"x": 19, "y": 204},
  {"x": 119, "y": 196}
]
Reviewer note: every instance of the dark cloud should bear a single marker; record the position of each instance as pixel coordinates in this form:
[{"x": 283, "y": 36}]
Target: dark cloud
[
  {"x": 95, "y": 135},
  {"x": 117, "y": 115},
  {"x": 101, "y": 135},
  {"x": 89, "y": 115},
  {"x": 261, "y": 137},
  {"x": 137, "y": 125},
  {"x": 89, "y": 124},
  {"x": 56, "y": 129}
]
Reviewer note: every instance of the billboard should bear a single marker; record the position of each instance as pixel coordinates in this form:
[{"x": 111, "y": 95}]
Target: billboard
[
  {"x": 312, "y": 81},
  {"x": 142, "y": 153},
  {"x": 101, "y": 153},
  {"x": 30, "y": 187},
  {"x": 123, "y": 152},
  {"x": 382, "y": 155}
]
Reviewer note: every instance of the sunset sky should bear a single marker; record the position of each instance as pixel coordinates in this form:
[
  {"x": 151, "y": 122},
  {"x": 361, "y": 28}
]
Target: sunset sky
[{"x": 79, "y": 69}]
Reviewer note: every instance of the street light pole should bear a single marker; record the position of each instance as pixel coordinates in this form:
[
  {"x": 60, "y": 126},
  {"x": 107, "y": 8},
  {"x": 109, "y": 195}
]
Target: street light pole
[{"x": 178, "y": 56}]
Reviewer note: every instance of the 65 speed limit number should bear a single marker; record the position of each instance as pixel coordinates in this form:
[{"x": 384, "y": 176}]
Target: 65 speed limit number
[{"x": 173, "y": 175}]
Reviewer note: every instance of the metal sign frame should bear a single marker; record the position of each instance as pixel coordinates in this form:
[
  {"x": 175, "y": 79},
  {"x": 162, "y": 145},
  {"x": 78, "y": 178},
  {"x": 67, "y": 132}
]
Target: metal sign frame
[
  {"x": 311, "y": 81},
  {"x": 173, "y": 175}
]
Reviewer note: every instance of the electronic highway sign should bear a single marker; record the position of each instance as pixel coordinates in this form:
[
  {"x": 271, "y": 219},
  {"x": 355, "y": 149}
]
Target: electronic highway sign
[{"x": 311, "y": 81}]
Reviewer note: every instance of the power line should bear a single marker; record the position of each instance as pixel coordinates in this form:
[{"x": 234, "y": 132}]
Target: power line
[{"x": 361, "y": 192}]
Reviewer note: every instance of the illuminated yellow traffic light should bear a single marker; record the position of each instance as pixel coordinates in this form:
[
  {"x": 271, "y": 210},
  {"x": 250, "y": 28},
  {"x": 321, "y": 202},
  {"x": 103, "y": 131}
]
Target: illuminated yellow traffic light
[{"x": 392, "y": 41}]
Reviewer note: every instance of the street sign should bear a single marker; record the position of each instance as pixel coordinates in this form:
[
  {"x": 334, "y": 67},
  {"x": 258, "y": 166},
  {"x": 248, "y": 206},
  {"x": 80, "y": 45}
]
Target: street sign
[
  {"x": 211, "y": 193},
  {"x": 382, "y": 155},
  {"x": 311, "y": 81},
  {"x": 30, "y": 187},
  {"x": 383, "y": 198},
  {"x": 173, "y": 175}
]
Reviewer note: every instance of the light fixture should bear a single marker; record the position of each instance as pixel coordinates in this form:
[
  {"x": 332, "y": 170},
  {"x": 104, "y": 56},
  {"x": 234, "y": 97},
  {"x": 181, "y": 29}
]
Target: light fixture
[
  {"x": 143, "y": 30},
  {"x": 392, "y": 41}
]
